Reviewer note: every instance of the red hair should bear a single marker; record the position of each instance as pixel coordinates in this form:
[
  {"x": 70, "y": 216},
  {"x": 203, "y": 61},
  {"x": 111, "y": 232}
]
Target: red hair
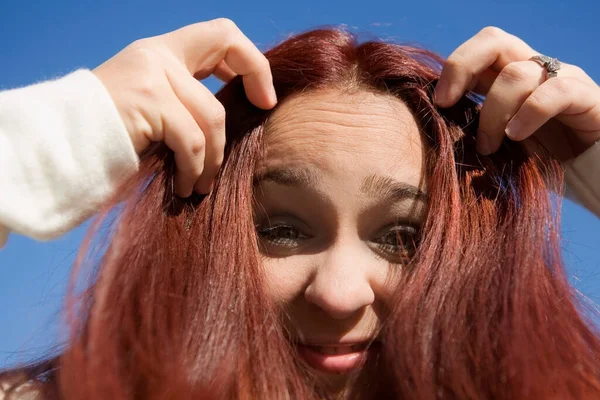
[{"x": 178, "y": 309}]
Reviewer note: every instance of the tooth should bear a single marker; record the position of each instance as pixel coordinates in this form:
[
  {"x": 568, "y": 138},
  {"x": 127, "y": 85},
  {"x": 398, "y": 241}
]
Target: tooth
[
  {"x": 337, "y": 350},
  {"x": 330, "y": 350}
]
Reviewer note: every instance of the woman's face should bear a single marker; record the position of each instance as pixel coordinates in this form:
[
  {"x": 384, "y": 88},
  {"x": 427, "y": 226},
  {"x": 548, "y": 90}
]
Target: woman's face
[{"x": 337, "y": 189}]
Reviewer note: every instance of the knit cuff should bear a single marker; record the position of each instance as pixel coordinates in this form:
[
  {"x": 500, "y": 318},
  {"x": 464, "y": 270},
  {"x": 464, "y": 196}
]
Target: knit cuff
[{"x": 64, "y": 149}]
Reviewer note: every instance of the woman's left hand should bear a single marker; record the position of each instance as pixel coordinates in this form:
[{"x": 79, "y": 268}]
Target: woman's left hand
[{"x": 563, "y": 112}]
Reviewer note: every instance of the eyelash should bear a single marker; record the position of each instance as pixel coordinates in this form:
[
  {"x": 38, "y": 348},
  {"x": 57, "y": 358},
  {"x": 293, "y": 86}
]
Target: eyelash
[
  {"x": 280, "y": 241},
  {"x": 404, "y": 239},
  {"x": 404, "y": 244}
]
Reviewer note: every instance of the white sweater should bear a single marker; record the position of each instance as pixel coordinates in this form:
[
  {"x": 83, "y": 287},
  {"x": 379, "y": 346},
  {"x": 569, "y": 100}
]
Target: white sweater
[{"x": 64, "y": 149}]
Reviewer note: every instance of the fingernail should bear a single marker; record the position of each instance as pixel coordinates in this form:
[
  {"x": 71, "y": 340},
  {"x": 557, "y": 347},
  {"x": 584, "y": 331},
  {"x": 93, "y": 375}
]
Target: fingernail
[
  {"x": 483, "y": 144},
  {"x": 513, "y": 128},
  {"x": 440, "y": 92},
  {"x": 273, "y": 95}
]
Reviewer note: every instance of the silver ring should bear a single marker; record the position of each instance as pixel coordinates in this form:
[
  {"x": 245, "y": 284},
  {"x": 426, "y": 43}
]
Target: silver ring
[{"x": 552, "y": 65}]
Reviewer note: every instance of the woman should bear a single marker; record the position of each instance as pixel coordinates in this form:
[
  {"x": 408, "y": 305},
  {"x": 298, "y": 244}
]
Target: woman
[{"x": 354, "y": 243}]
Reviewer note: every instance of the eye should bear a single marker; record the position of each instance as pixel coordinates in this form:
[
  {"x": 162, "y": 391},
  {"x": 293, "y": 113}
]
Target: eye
[
  {"x": 399, "y": 242},
  {"x": 282, "y": 235}
]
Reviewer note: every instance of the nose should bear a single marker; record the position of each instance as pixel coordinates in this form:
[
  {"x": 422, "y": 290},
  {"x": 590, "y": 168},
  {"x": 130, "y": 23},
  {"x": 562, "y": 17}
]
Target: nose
[{"x": 340, "y": 286}]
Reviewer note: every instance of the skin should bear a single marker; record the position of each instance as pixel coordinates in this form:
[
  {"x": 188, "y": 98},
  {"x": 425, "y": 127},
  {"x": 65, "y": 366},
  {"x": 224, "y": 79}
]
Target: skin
[
  {"x": 154, "y": 85},
  {"x": 334, "y": 283},
  {"x": 321, "y": 237},
  {"x": 521, "y": 102}
]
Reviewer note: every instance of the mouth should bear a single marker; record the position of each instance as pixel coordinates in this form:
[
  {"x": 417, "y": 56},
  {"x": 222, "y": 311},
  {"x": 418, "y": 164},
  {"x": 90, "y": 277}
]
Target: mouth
[{"x": 339, "y": 358}]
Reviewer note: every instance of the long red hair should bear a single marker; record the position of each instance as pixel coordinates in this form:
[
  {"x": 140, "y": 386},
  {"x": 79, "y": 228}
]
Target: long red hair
[{"x": 177, "y": 307}]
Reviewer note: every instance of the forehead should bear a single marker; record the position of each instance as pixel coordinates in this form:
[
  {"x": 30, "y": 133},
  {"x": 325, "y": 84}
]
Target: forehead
[{"x": 345, "y": 135}]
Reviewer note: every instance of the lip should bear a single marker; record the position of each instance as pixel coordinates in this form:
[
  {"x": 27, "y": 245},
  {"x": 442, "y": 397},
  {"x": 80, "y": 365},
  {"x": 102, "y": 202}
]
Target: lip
[{"x": 336, "y": 358}]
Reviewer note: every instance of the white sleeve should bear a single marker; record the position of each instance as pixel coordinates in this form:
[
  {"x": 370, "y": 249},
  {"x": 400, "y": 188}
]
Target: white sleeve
[
  {"x": 63, "y": 150},
  {"x": 582, "y": 176}
]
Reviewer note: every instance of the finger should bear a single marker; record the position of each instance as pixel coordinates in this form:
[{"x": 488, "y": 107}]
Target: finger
[
  {"x": 569, "y": 99},
  {"x": 204, "y": 45},
  {"x": 183, "y": 135},
  {"x": 510, "y": 89},
  {"x": 484, "y": 82},
  {"x": 221, "y": 71},
  {"x": 209, "y": 115},
  {"x": 486, "y": 79},
  {"x": 490, "y": 48}
]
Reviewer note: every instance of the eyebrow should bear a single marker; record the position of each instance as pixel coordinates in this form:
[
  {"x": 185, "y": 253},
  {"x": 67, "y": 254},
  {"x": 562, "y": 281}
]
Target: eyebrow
[
  {"x": 389, "y": 188},
  {"x": 373, "y": 186},
  {"x": 300, "y": 178}
]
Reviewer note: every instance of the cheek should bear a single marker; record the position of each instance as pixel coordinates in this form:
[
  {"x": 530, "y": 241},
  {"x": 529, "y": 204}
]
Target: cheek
[
  {"x": 286, "y": 278},
  {"x": 387, "y": 286}
]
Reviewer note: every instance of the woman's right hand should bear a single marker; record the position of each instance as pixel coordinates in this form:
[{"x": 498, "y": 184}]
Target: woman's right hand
[{"x": 154, "y": 85}]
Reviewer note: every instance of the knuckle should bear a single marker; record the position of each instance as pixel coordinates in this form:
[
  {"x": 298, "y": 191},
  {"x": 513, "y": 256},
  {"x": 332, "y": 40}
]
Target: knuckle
[
  {"x": 225, "y": 25},
  {"x": 562, "y": 85},
  {"x": 219, "y": 149},
  {"x": 216, "y": 158},
  {"x": 578, "y": 73},
  {"x": 516, "y": 71},
  {"x": 198, "y": 143},
  {"x": 144, "y": 53},
  {"x": 192, "y": 170},
  {"x": 554, "y": 90},
  {"x": 146, "y": 80},
  {"x": 264, "y": 64},
  {"x": 215, "y": 163},
  {"x": 197, "y": 169},
  {"x": 139, "y": 44},
  {"x": 147, "y": 85},
  {"x": 577, "y": 70},
  {"x": 457, "y": 62},
  {"x": 536, "y": 102},
  {"x": 216, "y": 117},
  {"x": 219, "y": 157},
  {"x": 492, "y": 31}
]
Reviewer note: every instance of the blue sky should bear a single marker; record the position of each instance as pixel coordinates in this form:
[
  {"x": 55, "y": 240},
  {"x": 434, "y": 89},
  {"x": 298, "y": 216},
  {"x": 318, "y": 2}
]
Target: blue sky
[{"x": 42, "y": 39}]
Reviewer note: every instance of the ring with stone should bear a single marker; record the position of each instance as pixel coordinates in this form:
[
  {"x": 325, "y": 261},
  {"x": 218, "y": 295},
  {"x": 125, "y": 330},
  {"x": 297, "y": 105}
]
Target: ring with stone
[{"x": 552, "y": 65}]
